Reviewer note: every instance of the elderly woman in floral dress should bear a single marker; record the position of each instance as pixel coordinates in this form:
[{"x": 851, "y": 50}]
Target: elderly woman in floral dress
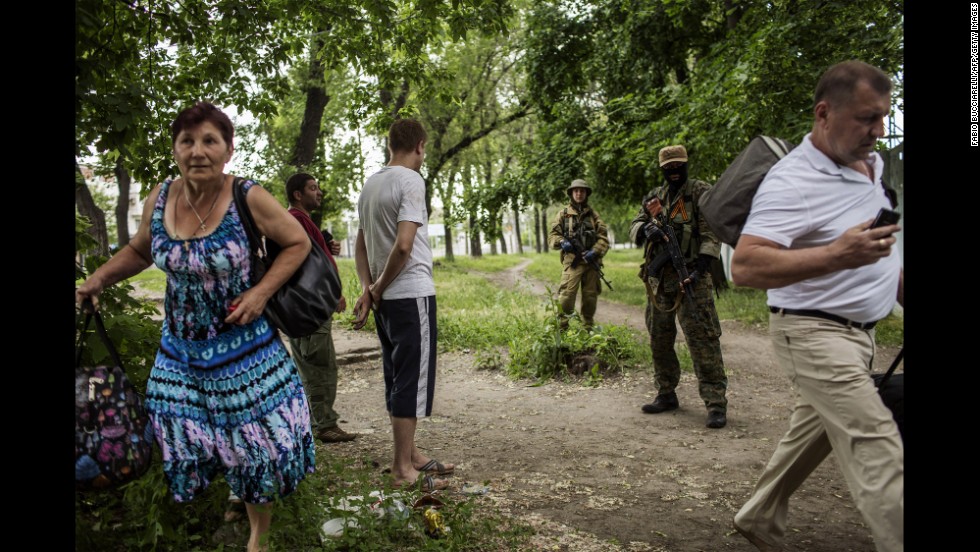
[{"x": 224, "y": 396}]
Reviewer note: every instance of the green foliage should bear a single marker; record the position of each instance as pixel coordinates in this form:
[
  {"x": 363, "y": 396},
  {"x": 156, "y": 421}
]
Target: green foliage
[
  {"x": 683, "y": 356},
  {"x": 138, "y": 63},
  {"x": 616, "y": 82},
  {"x": 142, "y": 515},
  {"x": 128, "y": 320},
  {"x": 490, "y": 358}
]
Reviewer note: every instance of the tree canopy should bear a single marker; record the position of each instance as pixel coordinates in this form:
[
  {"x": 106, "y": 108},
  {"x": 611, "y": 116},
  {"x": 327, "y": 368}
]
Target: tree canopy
[{"x": 519, "y": 97}]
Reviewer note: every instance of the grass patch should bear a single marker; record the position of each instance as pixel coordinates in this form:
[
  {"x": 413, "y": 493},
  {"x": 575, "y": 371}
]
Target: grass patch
[
  {"x": 746, "y": 305},
  {"x": 486, "y": 263},
  {"x": 890, "y": 331},
  {"x": 476, "y": 314},
  {"x": 151, "y": 279}
]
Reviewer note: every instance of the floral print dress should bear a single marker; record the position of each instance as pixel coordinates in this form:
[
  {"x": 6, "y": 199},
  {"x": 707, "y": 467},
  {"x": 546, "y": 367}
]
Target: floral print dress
[{"x": 223, "y": 399}]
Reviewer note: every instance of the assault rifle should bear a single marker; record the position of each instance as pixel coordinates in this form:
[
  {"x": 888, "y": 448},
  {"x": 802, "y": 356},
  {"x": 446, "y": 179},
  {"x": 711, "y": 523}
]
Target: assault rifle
[
  {"x": 659, "y": 218},
  {"x": 577, "y": 249},
  {"x": 680, "y": 265}
]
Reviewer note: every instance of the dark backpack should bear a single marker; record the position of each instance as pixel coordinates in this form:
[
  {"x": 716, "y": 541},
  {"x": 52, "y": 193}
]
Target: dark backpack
[{"x": 726, "y": 205}]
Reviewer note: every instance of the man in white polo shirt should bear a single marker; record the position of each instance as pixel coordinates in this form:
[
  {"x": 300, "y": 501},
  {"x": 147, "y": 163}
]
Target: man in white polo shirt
[{"x": 829, "y": 279}]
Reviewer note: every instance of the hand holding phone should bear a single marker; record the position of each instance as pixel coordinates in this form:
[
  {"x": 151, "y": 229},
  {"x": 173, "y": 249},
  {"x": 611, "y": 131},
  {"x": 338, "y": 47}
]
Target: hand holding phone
[{"x": 886, "y": 217}]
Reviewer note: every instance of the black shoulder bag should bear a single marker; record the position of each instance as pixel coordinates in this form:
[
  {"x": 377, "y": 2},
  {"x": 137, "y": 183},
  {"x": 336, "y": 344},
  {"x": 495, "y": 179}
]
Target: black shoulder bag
[
  {"x": 891, "y": 387},
  {"x": 310, "y": 296}
]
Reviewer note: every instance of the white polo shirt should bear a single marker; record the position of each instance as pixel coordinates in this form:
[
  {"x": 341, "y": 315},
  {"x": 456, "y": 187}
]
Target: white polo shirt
[{"x": 807, "y": 200}]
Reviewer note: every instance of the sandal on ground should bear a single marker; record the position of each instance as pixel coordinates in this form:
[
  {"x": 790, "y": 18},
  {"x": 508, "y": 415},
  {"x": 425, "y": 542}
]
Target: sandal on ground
[
  {"x": 429, "y": 484},
  {"x": 426, "y": 484},
  {"x": 434, "y": 467}
]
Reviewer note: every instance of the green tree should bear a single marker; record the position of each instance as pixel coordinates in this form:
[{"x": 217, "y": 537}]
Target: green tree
[{"x": 616, "y": 81}]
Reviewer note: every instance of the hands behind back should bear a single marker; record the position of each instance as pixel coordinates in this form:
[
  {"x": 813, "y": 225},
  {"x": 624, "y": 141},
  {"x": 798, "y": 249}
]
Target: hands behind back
[{"x": 361, "y": 309}]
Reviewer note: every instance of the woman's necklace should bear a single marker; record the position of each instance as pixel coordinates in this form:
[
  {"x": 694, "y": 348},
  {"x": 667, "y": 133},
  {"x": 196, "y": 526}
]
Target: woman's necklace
[{"x": 203, "y": 227}]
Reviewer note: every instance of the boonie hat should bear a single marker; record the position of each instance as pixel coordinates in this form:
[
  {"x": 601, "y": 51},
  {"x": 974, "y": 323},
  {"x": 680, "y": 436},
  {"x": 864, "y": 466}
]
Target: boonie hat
[
  {"x": 578, "y": 183},
  {"x": 673, "y": 153}
]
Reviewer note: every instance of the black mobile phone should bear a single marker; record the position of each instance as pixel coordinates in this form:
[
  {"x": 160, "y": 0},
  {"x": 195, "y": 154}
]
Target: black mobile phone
[{"x": 886, "y": 217}]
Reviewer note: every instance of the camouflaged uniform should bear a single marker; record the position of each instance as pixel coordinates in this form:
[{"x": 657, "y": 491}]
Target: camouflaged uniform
[
  {"x": 664, "y": 296},
  {"x": 592, "y": 233}
]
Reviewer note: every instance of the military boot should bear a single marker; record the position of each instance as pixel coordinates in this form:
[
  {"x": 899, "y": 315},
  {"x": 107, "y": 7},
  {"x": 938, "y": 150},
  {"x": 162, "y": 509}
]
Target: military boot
[
  {"x": 663, "y": 403},
  {"x": 716, "y": 419}
]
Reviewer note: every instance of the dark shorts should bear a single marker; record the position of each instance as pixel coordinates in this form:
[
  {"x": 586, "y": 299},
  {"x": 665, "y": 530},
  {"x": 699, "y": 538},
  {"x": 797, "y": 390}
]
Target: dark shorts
[{"x": 407, "y": 329}]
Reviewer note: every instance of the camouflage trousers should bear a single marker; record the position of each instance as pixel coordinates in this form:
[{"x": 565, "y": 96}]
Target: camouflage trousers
[
  {"x": 702, "y": 337},
  {"x": 585, "y": 277},
  {"x": 316, "y": 361}
]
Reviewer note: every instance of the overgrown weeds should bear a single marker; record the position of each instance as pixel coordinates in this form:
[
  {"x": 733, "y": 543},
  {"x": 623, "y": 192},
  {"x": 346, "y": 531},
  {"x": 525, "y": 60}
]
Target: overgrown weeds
[{"x": 541, "y": 350}]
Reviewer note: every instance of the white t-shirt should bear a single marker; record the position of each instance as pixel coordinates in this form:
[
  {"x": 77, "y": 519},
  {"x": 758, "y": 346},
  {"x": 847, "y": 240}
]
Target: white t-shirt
[
  {"x": 807, "y": 200},
  {"x": 389, "y": 196}
]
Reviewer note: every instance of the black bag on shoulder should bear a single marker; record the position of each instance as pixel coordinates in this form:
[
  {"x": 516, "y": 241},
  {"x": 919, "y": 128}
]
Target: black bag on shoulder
[
  {"x": 309, "y": 297},
  {"x": 891, "y": 387},
  {"x": 726, "y": 205}
]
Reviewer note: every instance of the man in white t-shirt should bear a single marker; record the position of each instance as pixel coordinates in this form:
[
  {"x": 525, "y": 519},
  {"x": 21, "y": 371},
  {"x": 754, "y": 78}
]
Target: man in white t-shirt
[
  {"x": 394, "y": 266},
  {"x": 829, "y": 278}
]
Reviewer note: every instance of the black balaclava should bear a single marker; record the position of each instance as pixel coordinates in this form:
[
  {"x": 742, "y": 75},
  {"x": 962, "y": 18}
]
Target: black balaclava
[{"x": 672, "y": 184}]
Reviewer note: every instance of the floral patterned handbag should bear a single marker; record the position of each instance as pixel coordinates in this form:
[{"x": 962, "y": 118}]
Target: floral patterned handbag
[{"x": 113, "y": 434}]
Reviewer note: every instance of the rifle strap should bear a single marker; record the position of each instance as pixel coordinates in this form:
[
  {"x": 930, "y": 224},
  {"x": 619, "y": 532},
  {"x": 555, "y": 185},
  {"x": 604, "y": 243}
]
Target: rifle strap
[{"x": 652, "y": 296}]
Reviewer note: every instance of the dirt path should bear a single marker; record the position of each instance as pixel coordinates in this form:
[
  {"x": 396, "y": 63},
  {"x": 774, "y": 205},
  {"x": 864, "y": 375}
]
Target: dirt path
[{"x": 588, "y": 468}]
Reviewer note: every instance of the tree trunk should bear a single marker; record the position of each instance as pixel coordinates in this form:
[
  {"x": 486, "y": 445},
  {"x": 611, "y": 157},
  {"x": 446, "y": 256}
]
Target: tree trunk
[
  {"x": 517, "y": 230},
  {"x": 537, "y": 230},
  {"x": 124, "y": 181},
  {"x": 733, "y": 13},
  {"x": 86, "y": 207},
  {"x": 450, "y": 256},
  {"x": 499, "y": 222},
  {"x": 544, "y": 229},
  {"x": 306, "y": 149},
  {"x": 476, "y": 248}
]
